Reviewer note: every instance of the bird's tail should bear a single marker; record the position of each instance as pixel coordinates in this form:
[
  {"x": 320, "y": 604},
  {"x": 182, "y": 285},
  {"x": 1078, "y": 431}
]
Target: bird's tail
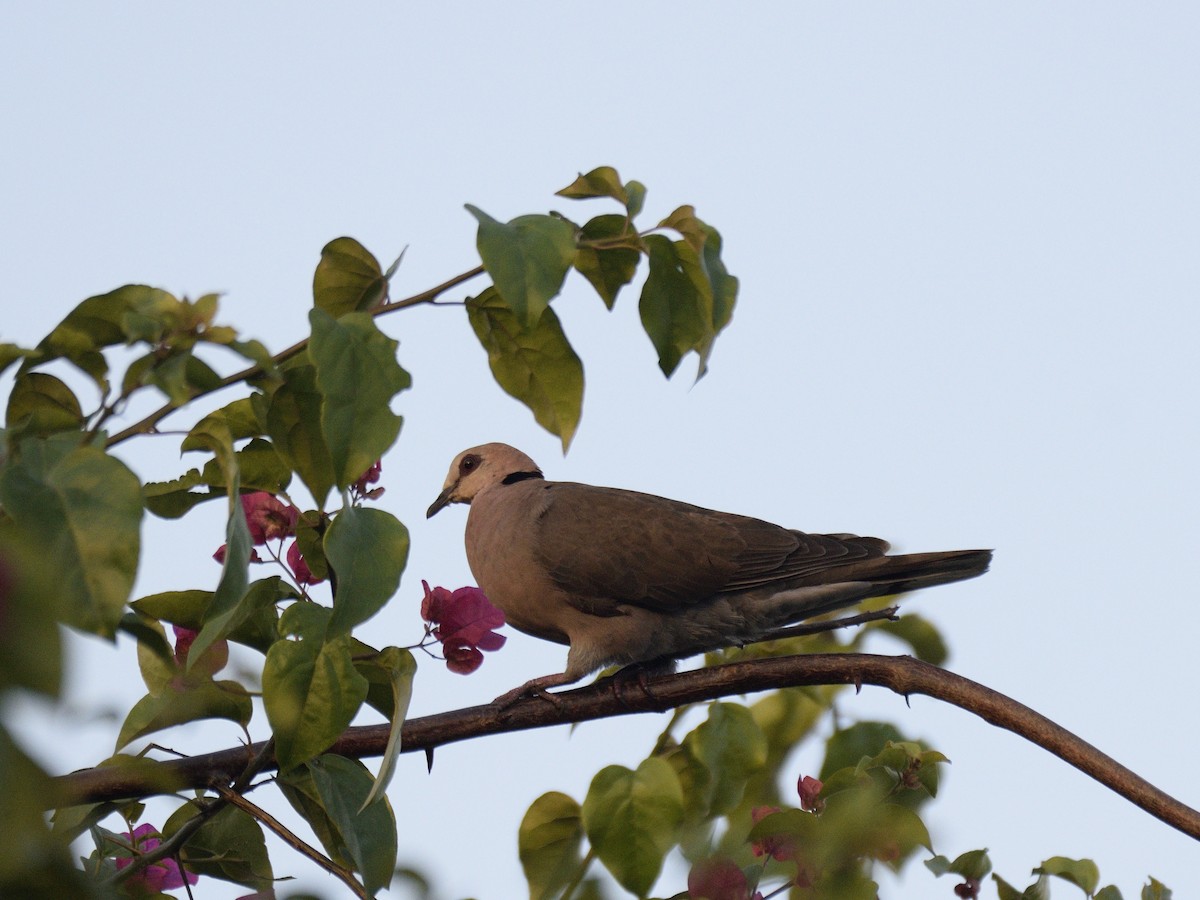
[
  {"x": 912, "y": 571},
  {"x": 841, "y": 586}
]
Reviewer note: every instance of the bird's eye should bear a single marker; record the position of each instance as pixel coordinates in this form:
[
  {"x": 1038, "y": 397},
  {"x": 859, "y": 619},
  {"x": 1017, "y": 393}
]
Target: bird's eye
[{"x": 468, "y": 463}]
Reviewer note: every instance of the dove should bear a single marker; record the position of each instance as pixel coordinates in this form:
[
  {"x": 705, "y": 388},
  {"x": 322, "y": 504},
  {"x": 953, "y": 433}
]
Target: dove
[{"x": 625, "y": 578}]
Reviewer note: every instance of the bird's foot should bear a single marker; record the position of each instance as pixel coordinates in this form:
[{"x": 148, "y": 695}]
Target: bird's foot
[{"x": 535, "y": 687}]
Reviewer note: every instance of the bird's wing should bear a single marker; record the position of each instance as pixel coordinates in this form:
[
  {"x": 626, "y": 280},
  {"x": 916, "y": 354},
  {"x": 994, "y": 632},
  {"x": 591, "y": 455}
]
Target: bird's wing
[{"x": 607, "y": 548}]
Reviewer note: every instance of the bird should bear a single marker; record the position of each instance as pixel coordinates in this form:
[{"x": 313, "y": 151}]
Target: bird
[{"x": 632, "y": 579}]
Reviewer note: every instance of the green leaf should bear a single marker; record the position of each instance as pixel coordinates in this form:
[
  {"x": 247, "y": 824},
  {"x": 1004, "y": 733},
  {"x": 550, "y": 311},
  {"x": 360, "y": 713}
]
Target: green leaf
[
  {"x": 156, "y": 657},
  {"x": 41, "y": 404},
  {"x": 310, "y": 535},
  {"x": 293, "y": 418},
  {"x": 31, "y": 853},
  {"x": 724, "y": 285},
  {"x": 10, "y": 353},
  {"x": 239, "y": 417},
  {"x": 260, "y": 468},
  {"x": 367, "y": 549},
  {"x": 229, "y": 846},
  {"x": 849, "y": 745},
  {"x": 229, "y": 604},
  {"x": 367, "y": 830},
  {"x": 98, "y": 322},
  {"x": 30, "y": 642},
  {"x": 401, "y": 667},
  {"x": 1108, "y": 893},
  {"x": 536, "y": 365},
  {"x": 254, "y": 626},
  {"x": 972, "y": 864},
  {"x": 83, "y": 509},
  {"x": 684, "y": 221},
  {"x": 357, "y": 375},
  {"x": 732, "y": 747},
  {"x": 186, "y": 703},
  {"x": 610, "y": 268},
  {"x": 548, "y": 843},
  {"x": 1083, "y": 873},
  {"x": 348, "y": 279},
  {"x": 676, "y": 305},
  {"x": 600, "y": 182},
  {"x": 173, "y": 499},
  {"x": 631, "y": 819},
  {"x": 527, "y": 259},
  {"x": 1156, "y": 890},
  {"x": 919, "y": 633},
  {"x": 1039, "y": 890},
  {"x": 311, "y": 692},
  {"x": 637, "y": 198}
]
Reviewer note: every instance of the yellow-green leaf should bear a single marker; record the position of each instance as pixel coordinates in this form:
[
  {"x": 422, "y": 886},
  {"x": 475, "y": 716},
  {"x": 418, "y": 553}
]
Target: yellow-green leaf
[
  {"x": 632, "y": 818},
  {"x": 548, "y": 843},
  {"x": 535, "y": 365},
  {"x": 527, "y": 258},
  {"x": 348, "y": 279}
]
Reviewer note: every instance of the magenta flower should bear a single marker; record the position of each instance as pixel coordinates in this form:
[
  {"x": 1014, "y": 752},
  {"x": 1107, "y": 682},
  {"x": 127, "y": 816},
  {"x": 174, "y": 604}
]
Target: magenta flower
[
  {"x": 213, "y": 659},
  {"x": 219, "y": 556},
  {"x": 719, "y": 879},
  {"x": 267, "y": 517},
  {"x": 463, "y": 621},
  {"x": 809, "y": 789},
  {"x": 158, "y": 876},
  {"x": 299, "y": 567},
  {"x": 777, "y": 845}
]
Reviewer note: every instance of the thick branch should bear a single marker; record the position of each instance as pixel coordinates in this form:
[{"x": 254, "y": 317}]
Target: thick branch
[{"x": 902, "y": 674}]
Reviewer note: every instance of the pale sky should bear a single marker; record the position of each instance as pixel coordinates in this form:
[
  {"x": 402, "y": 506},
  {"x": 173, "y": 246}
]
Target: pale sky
[{"x": 967, "y": 242}]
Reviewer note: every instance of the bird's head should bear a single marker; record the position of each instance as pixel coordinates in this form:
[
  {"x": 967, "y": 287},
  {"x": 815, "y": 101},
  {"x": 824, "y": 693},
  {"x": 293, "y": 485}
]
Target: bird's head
[{"x": 474, "y": 471}]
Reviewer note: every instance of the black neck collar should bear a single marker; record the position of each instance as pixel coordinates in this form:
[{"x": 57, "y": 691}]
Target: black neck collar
[{"x": 521, "y": 476}]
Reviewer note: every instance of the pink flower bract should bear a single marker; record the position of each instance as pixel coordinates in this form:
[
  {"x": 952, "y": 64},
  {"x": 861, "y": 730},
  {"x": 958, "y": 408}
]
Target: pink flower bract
[
  {"x": 809, "y": 789},
  {"x": 212, "y": 661},
  {"x": 267, "y": 517},
  {"x": 371, "y": 476},
  {"x": 299, "y": 567},
  {"x": 718, "y": 879},
  {"x": 158, "y": 876},
  {"x": 463, "y": 621}
]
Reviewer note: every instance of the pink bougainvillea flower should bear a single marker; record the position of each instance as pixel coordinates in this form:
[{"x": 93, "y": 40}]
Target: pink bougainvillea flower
[
  {"x": 219, "y": 556},
  {"x": 268, "y": 517},
  {"x": 299, "y": 567},
  {"x": 371, "y": 476},
  {"x": 779, "y": 846},
  {"x": 158, "y": 876},
  {"x": 463, "y": 621},
  {"x": 809, "y": 789},
  {"x": 719, "y": 879},
  {"x": 213, "y": 659}
]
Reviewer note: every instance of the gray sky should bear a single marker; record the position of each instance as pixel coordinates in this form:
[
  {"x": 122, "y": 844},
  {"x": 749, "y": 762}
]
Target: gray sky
[{"x": 966, "y": 236}]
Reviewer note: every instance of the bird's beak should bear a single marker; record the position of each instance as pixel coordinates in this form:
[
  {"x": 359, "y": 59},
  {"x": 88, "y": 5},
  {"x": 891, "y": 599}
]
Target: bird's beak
[{"x": 444, "y": 499}]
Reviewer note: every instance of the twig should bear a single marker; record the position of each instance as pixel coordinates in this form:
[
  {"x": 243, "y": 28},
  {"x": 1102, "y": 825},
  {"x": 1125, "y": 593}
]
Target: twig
[
  {"x": 901, "y": 674},
  {"x": 291, "y": 839},
  {"x": 149, "y": 422},
  {"x": 264, "y": 754}
]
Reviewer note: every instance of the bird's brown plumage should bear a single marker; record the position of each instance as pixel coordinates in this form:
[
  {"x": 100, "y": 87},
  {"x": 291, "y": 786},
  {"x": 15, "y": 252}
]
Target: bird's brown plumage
[{"x": 626, "y": 577}]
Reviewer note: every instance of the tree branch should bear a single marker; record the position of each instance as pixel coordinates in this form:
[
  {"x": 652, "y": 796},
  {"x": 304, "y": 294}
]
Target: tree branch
[
  {"x": 293, "y": 841},
  {"x": 901, "y": 674},
  {"x": 150, "y": 422}
]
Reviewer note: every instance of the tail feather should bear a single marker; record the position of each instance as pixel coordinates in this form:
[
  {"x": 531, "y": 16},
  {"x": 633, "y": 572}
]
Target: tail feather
[{"x": 839, "y": 587}]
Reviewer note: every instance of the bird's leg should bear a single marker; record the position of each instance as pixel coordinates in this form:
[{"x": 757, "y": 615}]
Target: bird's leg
[
  {"x": 640, "y": 672},
  {"x": 535, "y": 687}
]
